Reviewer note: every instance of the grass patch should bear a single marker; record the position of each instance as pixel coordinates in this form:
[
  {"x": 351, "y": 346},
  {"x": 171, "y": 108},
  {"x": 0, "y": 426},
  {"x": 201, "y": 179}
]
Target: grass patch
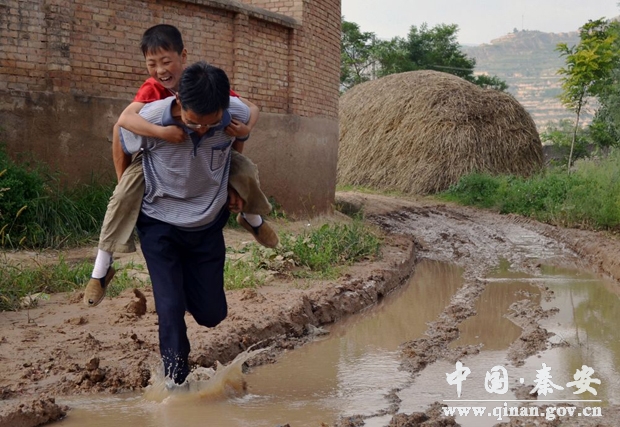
[
  {"x": 241, "y": 274},
  {"x": 125, "y": 278},
  {"x": 18, "y": 281},
  {"x": 317, "y": 253},
  {"x": 588, "y": 197},
  {"x": 37, "y": 211},
  {"x": 331, "y": 245}
]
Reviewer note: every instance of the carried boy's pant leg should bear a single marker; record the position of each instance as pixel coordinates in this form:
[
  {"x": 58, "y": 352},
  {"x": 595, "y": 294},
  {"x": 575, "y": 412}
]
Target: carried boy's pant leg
[
  {"x": 243, "y": 178},
  {"x": 123, "y": 209}
]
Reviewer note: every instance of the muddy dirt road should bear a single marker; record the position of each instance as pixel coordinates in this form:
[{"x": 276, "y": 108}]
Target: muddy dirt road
[{"x": 63, "y": 348}]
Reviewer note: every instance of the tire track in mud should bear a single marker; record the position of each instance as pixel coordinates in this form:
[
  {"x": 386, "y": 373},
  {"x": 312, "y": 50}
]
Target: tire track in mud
[{"x": 476, "y": 241}]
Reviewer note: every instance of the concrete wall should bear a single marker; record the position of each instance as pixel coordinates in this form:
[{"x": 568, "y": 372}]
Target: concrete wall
[{"x": 68, "y": 68}]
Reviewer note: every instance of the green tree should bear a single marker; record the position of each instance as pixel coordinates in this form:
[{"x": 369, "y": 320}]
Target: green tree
[
  {"x": 364, "y": 57},
  {"x": 356, "y": 54},
  {"x": 589, "y": 69},
  {"x": 605, "y": 127},
  {"x": 492, "y": 82},
  {"x": 434, "y": 48}
]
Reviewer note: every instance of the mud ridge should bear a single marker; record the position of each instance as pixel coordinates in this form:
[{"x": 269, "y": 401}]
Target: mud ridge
[{"x": 122, "y": 360}]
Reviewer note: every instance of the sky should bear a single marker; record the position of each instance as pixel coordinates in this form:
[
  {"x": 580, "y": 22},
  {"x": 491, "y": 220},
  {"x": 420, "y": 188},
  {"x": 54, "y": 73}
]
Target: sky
[{"x": 479, "y": 21}]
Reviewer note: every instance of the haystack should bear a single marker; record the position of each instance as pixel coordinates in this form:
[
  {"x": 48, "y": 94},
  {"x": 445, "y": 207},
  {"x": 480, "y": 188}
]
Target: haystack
[{"x": 419, "y": 132}]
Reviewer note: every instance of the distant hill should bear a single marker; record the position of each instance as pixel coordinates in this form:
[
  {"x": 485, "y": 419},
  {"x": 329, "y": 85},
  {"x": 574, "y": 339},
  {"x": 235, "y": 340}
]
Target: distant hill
[{"x": 528, "y": 62}]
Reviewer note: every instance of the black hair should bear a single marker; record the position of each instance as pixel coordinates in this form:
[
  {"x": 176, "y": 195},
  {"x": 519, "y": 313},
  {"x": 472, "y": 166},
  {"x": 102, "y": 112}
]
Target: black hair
[
  {"x": 162, "y": 36},
  {"x": 204, "y": 89}
]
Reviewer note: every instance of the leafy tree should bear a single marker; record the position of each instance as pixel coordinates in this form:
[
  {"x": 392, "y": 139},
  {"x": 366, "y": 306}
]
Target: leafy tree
[
  {"x": 434, "y": 48},
  {"x": 589, "y": 69},
  {"x": 356, "y": 54},
  {"x": 492, "y": 82},
  {"x": 365, "y": 57},
  {"x": 605, "y": 127}
]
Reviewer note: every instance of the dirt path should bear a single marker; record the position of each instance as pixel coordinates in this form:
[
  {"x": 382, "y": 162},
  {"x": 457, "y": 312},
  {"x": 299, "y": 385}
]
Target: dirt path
[{"x": 62, "y": 348}]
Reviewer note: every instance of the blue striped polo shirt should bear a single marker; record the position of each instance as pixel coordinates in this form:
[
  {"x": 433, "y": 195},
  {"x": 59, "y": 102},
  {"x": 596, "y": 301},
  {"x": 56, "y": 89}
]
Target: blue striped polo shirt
[{"x": 185, "y": 184}]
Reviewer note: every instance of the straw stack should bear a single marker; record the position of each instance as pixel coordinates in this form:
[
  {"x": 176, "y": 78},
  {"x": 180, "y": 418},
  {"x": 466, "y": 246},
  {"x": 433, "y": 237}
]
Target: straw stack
[{"x": 419, "y": 132}]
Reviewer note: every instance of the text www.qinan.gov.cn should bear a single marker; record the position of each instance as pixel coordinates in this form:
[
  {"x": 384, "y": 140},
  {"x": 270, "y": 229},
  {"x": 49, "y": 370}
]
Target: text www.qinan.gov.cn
[{"x": 549, "y": 413}]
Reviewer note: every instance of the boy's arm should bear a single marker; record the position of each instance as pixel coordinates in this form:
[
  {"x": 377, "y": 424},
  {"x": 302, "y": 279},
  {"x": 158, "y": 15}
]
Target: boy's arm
[
  {"x": 254, "y": 112},
  {"x": 131, "y": 120},
  {"x": 242, "y": 130}
]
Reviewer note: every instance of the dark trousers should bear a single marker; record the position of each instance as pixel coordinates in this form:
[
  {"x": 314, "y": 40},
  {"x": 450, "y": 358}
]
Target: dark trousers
[{"x": 187, "y": 272}]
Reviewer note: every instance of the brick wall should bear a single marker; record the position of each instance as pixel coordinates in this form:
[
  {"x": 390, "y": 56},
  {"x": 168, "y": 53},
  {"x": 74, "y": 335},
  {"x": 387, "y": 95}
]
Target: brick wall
[
  {"x": 67, "y": 68},
  {"x": 292, "y": 8},
  {"x": 91, "y": 47},
  {"x": 314, "y": 54}
]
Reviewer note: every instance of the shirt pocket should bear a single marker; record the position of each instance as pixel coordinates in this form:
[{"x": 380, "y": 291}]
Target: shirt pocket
[{"x": 219, "y": 155}]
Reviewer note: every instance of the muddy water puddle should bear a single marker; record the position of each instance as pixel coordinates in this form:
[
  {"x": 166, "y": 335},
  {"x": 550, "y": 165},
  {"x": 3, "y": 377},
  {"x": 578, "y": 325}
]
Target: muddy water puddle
[
  {"x": 586, "y": 334},
  {"x": 346, "y": 372},
  {"x": 351, "y": 370}
]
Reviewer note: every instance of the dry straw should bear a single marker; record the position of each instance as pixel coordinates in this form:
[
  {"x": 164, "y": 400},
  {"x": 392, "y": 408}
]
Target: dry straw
[{"x": 419, "y": 132}]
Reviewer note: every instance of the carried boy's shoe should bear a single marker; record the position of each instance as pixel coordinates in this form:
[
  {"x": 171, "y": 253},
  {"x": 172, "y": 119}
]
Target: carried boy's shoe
[
  {"x": 95, "y": 289},
  {"x": 263, "y": 234}
]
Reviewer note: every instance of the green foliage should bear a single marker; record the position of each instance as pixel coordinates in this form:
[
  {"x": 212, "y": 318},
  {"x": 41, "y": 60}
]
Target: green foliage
[
  {"x": 594, "y": 201},
  {"x": 588, "y": 64},
  {"x": 364, "y": 57},
  {"x": 36, "y": 211},
  {"x": 331, "y": 245},
  {"x": 475, "y": 189},
  {"x": 605, "y": 127},
  {"x": 489, "y": 82},
  {"x": 356, "y": 54},
  {"x": 589, "y": 197},
  {"x": 560, "y": 135},
  {"x": 312, "y": 253},
  {"x": 434, "y": 48},
  {"x": 16, "y": 282},
  {"x": 588, "y": 70},
  {"x": 19, "y": 186},
  {"x": 241, "y": 274},
  {"x": 606, "y": 124},
  {"x": 126, "y": 277}
]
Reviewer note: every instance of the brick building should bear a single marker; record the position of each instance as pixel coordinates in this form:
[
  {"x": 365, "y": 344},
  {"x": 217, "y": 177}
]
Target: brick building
[{"x": 68, "y": 68}]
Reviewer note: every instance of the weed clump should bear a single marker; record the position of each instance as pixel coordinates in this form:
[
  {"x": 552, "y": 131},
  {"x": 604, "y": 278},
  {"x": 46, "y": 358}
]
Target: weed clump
[
  {"x": 587, "y": 197},
  {"x": 37, "y": 211}
]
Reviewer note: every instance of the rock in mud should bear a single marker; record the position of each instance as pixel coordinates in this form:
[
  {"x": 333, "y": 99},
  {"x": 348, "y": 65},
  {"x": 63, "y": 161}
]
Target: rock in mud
[
  {"x": 137, "y": 307},
  {"x": 31, "y": 414}
]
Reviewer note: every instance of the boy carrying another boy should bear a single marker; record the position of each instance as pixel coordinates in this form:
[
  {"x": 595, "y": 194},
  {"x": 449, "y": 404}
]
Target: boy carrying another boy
[
  {"x": 185, "y": 208},
  {"x": 165, "y": 55}
]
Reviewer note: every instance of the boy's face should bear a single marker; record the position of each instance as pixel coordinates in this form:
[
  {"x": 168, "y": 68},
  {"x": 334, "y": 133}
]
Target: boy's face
[{"x": 166, "y": 67}]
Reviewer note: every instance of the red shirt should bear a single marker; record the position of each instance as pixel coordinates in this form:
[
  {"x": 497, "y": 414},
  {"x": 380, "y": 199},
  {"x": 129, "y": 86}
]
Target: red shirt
[{"x": 151, "y": 90}]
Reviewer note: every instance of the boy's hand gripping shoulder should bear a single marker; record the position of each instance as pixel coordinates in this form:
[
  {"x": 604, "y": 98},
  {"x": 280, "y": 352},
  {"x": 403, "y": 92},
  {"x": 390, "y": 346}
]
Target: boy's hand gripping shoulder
[{"x": 172, "y": 133}]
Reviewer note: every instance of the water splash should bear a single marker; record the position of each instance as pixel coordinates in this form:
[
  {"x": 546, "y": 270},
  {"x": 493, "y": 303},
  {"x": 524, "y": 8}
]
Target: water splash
[{"x": 223, "y": 382}]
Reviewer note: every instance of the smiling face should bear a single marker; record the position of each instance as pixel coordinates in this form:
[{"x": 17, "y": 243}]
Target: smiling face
[{"x": 166, "y": 67}]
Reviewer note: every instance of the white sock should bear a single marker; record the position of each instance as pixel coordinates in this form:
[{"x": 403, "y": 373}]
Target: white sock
[
  {"x": 102, "y": 263},
  {"x": 253, "y": 219}
]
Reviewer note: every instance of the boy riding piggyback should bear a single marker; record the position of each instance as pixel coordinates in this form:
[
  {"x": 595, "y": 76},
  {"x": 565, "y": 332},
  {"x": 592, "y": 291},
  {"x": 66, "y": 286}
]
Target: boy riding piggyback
[{"x": 166, "y": 57}]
